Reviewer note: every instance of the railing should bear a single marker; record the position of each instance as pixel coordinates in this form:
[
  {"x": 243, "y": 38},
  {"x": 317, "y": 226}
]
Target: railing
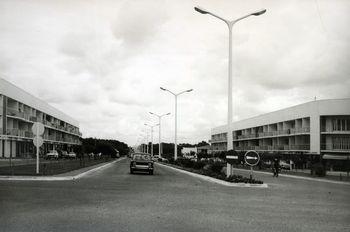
[
  {"x": 299, "y": 147},
  {"x": 300, "y": 130},
  {"x": 218, "y": 140},
  {"x": 16, "y": 113},
  {"x": 273, "y": 147},
  {"x": 29, "y": 134},
  {"x": 20, "y": 133},
  {"x": 325, "y": 129},
  {"x": 276, "y": 133},
  {"x": 335, "y": 146},
  {"x": 60, "y": 139}
]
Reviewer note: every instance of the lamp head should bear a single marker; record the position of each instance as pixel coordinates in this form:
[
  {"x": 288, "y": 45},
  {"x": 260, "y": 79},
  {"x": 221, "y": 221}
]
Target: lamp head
[
  {"x": 162, "y": 88},
  {"x": 260, "y": 12},
  {"x": 200, "y": 10},
  {"x": 190, "y": 90}
]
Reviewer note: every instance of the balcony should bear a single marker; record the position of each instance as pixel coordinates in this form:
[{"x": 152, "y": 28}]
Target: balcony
[
  {"x": 299, "y": 147},
  {"x": 335, "y": 146},
  {"x": 334, "y": 131},
  {"x": 273, "y": 147},
  {"x": 19, "y": 133},
  {"x": 219, "y": 140},
  {"x": 15, "y": 113},
  {"x": 300, "y": 130}
]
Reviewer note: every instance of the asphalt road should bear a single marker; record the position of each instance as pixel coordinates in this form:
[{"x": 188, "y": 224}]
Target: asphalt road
[{"x": 114, "y": 200}]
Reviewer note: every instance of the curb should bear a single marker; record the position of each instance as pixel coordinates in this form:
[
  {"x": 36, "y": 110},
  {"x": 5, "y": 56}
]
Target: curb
[
  {"x": 214, "y": 180},
  {"x": 299, "y": 177},
  {"x": 59, "y": 178}
]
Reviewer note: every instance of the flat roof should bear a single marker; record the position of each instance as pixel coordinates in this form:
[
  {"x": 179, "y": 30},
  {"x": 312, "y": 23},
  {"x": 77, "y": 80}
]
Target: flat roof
[
  {"x": 308, "y": 109},
  {"x": 12, "y": 91}
]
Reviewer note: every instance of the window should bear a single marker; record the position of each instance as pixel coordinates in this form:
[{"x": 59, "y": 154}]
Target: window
[{"x": 341, "y": 124}]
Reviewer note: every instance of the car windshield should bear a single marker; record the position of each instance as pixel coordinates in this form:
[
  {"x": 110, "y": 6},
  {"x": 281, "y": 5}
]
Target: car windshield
[{"x": 142, "y": 157}]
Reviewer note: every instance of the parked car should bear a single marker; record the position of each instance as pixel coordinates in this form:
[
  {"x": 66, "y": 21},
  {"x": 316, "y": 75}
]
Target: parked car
[
  {"x": 52, "y": 154},
  {"x": 64, "y": 154},
  {"x": 163, "y": 160},
  {"x": 141, "y": 162},
  {"x": 155, "y": 158},
  {"x": 284, "y": 165},
  {"x": 72, "y": 155}
]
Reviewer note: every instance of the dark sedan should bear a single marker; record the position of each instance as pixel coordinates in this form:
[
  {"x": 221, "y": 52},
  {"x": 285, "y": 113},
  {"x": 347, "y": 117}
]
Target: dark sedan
[{"x": 141, "y": 162}]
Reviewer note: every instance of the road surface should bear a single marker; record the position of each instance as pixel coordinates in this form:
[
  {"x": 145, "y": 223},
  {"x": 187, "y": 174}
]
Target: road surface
[{"x": 114, "y": 200}]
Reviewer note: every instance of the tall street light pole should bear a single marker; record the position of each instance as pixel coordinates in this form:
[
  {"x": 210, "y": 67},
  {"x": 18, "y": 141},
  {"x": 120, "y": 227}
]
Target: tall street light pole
[
  {"x": 176, "y": 95},
  {"x": 151, "y": 126},
  {"x": 230, "y": 24},
  {"x": 160, "y": 128}
]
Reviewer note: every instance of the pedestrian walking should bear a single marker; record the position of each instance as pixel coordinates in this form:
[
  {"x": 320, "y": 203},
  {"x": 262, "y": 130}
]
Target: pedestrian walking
[{"x": 276, "y": 167}]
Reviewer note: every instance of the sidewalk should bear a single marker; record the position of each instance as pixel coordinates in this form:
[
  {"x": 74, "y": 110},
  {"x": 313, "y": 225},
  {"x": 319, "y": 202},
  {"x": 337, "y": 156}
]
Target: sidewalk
[
  {"x": 72, "y": 175},
  {"x": 298, "y": 177}
]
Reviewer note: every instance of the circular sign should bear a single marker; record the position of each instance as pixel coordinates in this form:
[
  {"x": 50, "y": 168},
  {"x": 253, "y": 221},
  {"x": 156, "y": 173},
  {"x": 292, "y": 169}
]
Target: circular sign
[
  {"x": 38, "y": 128},
  {"x": 232, "y": 157},
  {"x": 38, "y": 141},
  {"x": 251, "y": 158}
]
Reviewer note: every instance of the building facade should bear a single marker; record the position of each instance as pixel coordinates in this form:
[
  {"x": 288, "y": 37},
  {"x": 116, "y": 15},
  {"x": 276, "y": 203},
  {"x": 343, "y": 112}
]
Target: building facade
[
  {"x": 320, "y": 128},
  {"x": 18, "y": 111}
]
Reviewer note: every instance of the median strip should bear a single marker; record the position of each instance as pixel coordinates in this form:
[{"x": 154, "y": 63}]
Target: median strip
[
  {"x": 60, "y": 177},
  {"x": 214, "y": 180}
]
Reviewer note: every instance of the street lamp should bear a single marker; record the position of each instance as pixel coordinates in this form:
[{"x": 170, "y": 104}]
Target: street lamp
[
  {"x": 229, "y": 112},
  {"x": 160, "y": 127},
  {"x": 151, "y": 126},
  {"x": 175, "y": 95}
]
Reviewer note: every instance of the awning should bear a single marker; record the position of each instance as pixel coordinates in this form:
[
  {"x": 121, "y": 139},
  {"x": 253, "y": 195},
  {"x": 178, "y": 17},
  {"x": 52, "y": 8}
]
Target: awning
[{"x": 336, "y": 157}]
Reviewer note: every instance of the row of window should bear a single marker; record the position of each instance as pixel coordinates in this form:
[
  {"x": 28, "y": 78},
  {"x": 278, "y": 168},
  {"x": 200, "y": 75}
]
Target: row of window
[{"x": 341, "y": 124}]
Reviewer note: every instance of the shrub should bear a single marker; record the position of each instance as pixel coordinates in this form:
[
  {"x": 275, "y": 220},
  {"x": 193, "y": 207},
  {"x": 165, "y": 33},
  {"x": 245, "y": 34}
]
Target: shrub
[
  {"x": 199, "y": 165},
  {"x": 241, "y": 179},
  {"x": 216, "y": 167}
]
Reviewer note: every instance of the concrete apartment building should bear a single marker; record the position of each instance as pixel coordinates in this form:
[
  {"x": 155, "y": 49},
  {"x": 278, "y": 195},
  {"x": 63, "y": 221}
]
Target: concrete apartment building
[
  {"x": 19, "y": 110},
  {"x": 320, "y": 128}
]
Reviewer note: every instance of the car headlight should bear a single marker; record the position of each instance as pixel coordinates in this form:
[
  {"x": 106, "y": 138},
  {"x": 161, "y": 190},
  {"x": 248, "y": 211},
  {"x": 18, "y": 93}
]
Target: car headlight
[{"x": 150, "y": 165}]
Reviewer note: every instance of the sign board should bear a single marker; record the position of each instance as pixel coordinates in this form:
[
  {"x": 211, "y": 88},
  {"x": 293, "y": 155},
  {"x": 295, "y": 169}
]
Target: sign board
[
  {"x": 38, "y": 128},
  {"x": 251, "y": 158},
  {"x": 38, "y": 141},
  {"x": 232, "y": 157}
]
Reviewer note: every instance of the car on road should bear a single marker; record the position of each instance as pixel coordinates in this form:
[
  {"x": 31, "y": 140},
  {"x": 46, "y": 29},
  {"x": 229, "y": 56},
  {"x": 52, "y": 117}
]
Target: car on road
[
  {"x": 52, "y": 154},
  {"x": 141, "y": 162}
]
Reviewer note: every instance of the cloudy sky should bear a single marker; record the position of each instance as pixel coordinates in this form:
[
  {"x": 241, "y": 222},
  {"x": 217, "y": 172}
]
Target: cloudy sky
[{"x": 102, "y": 62}]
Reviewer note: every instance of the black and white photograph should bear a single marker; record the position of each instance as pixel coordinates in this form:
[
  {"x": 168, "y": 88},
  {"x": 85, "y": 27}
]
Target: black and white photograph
[{"x": 186, "y": 115}]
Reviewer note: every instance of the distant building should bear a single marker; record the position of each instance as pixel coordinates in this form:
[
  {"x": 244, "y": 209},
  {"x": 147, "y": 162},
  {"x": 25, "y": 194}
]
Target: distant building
[
  {"x": 189, "y": 152},
  {"x": 319, "y": 128},
  {"x": 19, "y": 110},
  {"x": 204, "y": 149}
]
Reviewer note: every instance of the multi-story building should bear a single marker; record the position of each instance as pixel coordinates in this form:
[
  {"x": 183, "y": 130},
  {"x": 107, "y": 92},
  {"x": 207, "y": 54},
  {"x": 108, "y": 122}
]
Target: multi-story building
[
  {"x": 320, "y": 128},
  {"x": 19, "y": 110}
]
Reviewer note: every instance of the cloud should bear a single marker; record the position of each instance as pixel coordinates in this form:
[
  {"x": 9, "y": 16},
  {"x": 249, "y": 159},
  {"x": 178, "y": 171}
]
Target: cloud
[
  {"x": 138, "y": 23},
  {"x": 103, "y": 63}
]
